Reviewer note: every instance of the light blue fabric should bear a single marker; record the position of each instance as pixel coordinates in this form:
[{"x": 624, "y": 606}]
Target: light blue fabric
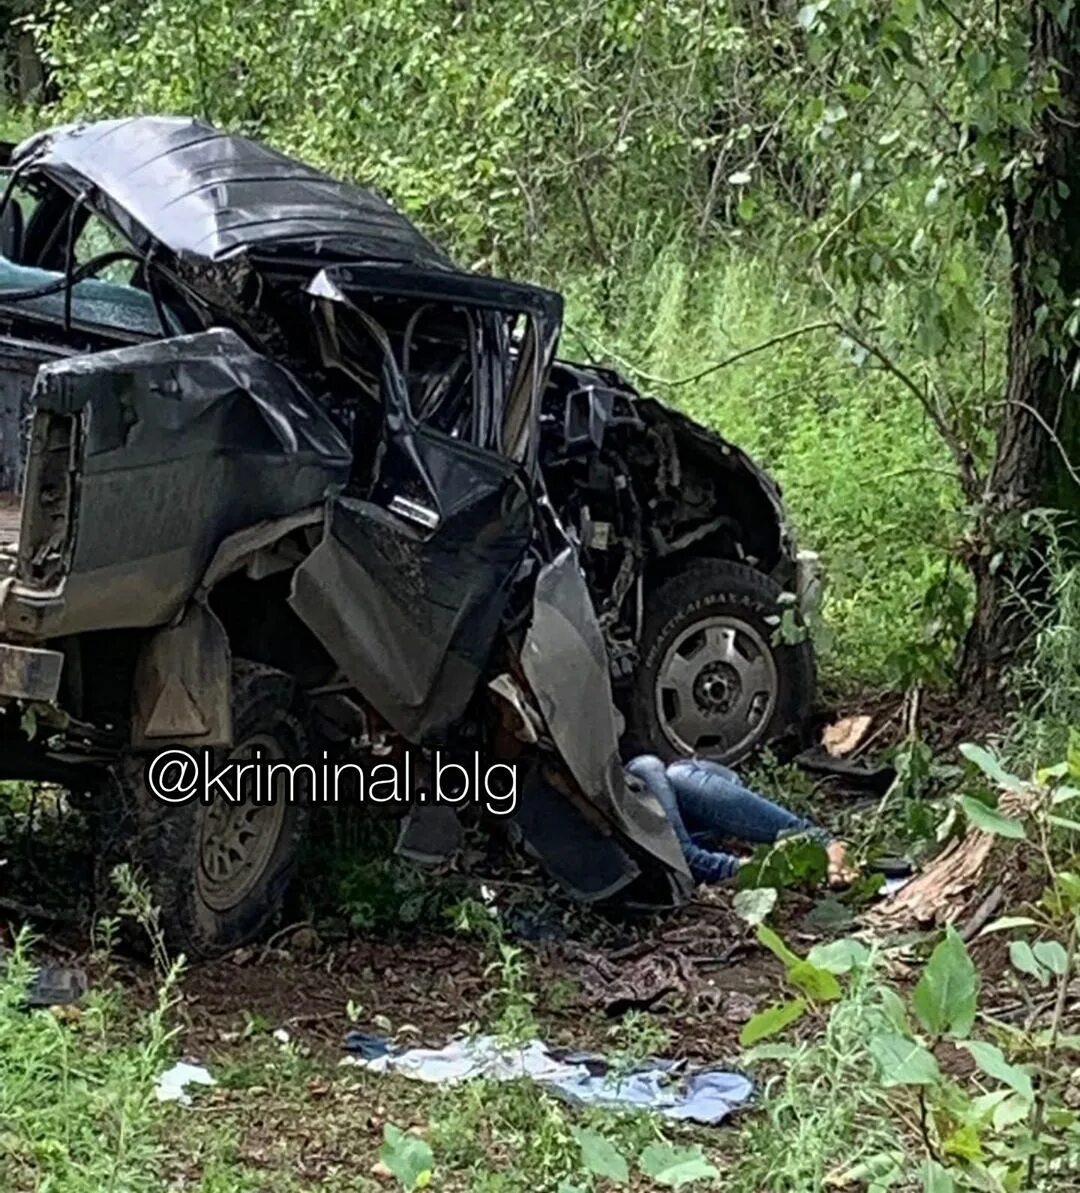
[
  {"x": 707, "y": 1097},
  {"x": 581, "y": 1078},
  {"x": 93, "y": 301}
]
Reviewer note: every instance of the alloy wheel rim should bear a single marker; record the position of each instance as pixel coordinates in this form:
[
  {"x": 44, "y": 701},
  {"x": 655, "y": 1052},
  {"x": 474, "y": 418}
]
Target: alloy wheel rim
[{"x": 716, "y": 688}]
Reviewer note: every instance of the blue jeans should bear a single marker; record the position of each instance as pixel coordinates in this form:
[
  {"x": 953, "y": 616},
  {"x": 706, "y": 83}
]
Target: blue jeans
[{"x": 703, "y": 798}]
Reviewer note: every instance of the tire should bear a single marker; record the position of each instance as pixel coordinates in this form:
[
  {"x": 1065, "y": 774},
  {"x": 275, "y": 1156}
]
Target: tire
[
  {"x": 217, "y": 890},
  {"x": 711, "y": 679}
]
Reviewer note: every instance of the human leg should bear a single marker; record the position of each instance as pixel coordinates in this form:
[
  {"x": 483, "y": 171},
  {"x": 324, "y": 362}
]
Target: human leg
[
  {"x": 710, "y": 800},
  {"x": 705, "y": 865}
]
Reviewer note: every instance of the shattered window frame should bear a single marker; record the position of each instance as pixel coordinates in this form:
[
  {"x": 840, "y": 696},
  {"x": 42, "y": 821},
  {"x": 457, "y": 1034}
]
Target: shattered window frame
[{"x": 506, "y": 419}]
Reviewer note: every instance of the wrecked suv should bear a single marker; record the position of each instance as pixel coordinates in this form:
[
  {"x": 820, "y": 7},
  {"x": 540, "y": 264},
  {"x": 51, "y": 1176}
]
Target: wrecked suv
[{"x": 277, "y": 478}]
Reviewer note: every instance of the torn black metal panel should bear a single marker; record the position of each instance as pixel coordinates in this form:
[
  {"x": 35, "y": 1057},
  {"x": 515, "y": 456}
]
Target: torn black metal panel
[
  {"x": 565, "y": 662},
  {"x": 408, "y": 599},
  {"x": 576, "y": 851},
  {"x": 747, "y": 491},
  {"x": 204, "y": 193},
  {"x": 183, "y": 442}
]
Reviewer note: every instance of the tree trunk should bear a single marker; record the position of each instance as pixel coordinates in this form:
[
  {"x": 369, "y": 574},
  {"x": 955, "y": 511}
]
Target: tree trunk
[
  {"x": 1039, "y": 424},
  {"x": 29, "y": 70}
]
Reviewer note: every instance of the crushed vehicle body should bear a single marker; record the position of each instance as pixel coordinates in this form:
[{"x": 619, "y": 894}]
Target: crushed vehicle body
[{"x": 277, "y": 476}]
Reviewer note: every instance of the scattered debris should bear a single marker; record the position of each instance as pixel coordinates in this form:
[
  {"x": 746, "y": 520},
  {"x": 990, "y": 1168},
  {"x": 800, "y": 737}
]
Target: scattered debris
[
  {"x": 52, "y": 985},
  {"x": 172, "y": 1084},
  {"x": 864, "y": 773},
  {"x": 582, "y": 1078},
  {"x": 846, "y": 735}
]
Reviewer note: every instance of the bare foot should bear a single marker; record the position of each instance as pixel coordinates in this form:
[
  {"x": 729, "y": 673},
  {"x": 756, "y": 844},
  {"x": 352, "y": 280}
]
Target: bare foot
[{"x": 840, "y": 873}]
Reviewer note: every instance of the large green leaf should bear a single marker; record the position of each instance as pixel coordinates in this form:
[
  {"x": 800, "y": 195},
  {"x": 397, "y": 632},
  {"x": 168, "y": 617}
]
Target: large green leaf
[
  {"x": 754, "y": 905},
  {"x": 991, "y": 1060},
  {"x": 1022, "y": 957},
  {"x": 991, "y": 767},
  {"x": 819, "y": 985},
  {"x": 946, "y": 994},
  {"x": 776, "y": 946},
  {"x": 1008, "y": 922},
  {"x": 1072, "y": 757},
  {"x": 990, "y": 820},
  {"x": 902, "y": 1061},
  {"x": 937, "y": 1178},
  {"x": 676, "y": 1166},
  {"x": 1052, "y": 954},
  {"x": 408, "y": 1158},
  {"x": 773, "y": 1019},
  {"x": 601, "y": 1157},
  {"x": 839, "y": 956}
]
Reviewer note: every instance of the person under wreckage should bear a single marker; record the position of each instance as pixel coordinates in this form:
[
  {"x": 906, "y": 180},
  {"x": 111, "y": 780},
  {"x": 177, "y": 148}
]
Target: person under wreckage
[{"x": 705, "y": 801}]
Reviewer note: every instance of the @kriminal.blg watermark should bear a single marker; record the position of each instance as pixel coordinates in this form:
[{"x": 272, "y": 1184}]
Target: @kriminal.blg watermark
[{"x": 180, "y": 776}]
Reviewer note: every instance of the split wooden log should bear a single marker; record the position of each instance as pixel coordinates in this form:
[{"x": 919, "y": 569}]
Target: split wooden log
[{"x": 962, "y": 885}]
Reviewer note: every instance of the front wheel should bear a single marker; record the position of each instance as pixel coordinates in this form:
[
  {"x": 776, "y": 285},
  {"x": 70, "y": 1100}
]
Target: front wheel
[
  {"x": 712, "y": 681},
  {"x": 218, "y": 871}
]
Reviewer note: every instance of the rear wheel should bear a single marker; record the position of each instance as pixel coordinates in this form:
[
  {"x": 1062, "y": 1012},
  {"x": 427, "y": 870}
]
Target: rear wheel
[
  {"x": 219, "y": 871},
  {"x": 712, "y": 681}
]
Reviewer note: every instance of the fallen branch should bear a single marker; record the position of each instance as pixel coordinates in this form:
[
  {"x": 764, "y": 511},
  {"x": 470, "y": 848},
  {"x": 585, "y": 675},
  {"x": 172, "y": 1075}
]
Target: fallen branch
[{"x": 983, "y": 913}]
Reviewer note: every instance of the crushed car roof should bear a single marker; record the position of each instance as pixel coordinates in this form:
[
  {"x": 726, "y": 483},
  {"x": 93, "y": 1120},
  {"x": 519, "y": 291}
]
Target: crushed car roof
[{"x": 205, "y": 193}]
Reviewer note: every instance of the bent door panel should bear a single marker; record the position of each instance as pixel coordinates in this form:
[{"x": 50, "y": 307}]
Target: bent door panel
[{"x": 406, "y": 591}]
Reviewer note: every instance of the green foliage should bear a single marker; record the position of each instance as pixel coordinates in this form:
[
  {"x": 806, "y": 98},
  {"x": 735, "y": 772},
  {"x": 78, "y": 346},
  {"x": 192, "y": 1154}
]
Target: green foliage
[
  {"x": 791, "y": 862},
  {"x": 77, "y": 1096},
  {"x": 665, "y": 1164},
  {"x": 839, "y": 956},
  {"x": 990, "y": 820},
  {"x": 676, "y": 1166},
  {"x": 1047, "y": 685},
  {"x": 753, "y": 905},
  {"x": 409, "y": 1158},
  {"x": 902, "y": 1061},
  {"x": 601, "y": 1157},
  {"x": 772, "y": 1020},
  {"x": 814, "y": 982},
  {"x": 945, "y": 998},
  {"x": 1013, "y": 1126}
]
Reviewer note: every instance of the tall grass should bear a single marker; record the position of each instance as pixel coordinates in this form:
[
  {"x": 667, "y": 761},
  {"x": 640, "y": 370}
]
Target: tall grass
[
  {"x": 1047, "y": 684},
  {"x": 78, "y": 1110}
]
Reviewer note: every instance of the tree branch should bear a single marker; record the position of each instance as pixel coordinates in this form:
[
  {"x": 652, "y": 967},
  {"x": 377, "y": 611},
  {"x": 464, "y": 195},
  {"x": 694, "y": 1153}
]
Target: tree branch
[{"x": 672, "y": 382}]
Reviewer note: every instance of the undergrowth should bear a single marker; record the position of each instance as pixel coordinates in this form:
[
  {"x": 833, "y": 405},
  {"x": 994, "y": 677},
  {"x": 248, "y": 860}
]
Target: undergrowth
[{"x": 77, "y": 1085}]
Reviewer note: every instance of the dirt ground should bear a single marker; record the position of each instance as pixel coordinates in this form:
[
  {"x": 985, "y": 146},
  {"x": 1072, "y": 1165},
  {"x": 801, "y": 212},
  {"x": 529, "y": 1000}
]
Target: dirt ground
[{"x": 697, "y": 972}]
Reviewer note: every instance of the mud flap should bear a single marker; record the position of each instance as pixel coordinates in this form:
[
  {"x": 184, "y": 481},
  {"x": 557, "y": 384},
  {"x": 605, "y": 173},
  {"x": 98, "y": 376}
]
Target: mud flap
[{"x": 183, "y": 684}]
